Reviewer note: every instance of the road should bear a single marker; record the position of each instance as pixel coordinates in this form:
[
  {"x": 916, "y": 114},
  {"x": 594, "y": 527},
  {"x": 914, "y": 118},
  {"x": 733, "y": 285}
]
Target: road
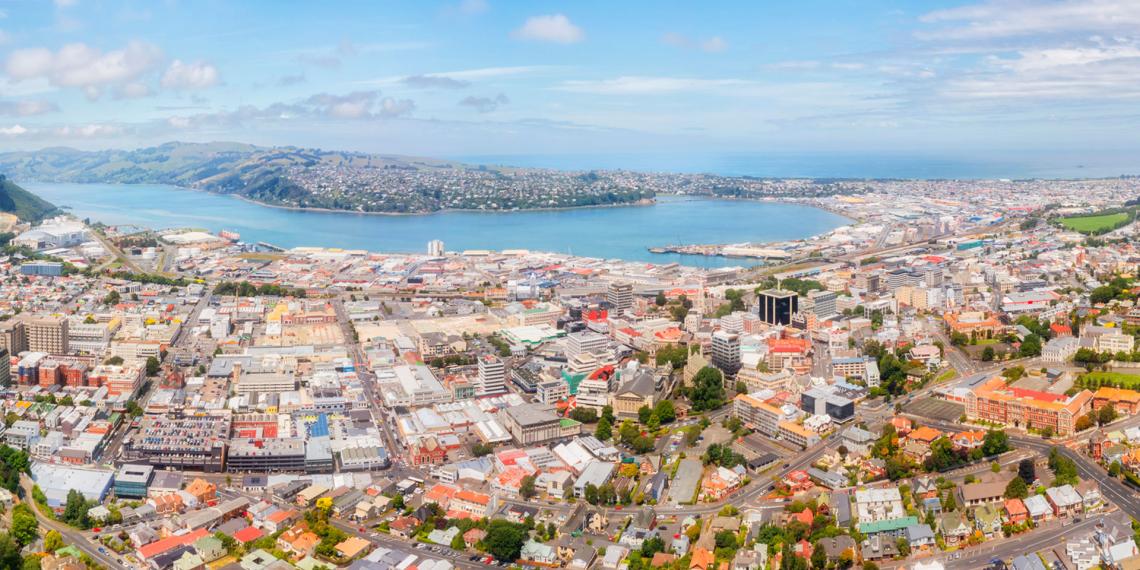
[
  {"x": 1123, "y": 496},
  {"x": 71, "y": 536},
  {"x": 1051, "y": 534},
  {"x": 457, "y": 558}
]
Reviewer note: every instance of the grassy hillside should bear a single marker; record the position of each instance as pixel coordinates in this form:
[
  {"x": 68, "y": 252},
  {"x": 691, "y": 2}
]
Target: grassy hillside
[{"x": 24, "y": 204}]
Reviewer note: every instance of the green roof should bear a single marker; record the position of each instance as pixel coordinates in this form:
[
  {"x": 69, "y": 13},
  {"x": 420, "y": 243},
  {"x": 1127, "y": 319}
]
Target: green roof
[
  {"x": 567, "y": 422},
  {"x": 887, "y": 525}
]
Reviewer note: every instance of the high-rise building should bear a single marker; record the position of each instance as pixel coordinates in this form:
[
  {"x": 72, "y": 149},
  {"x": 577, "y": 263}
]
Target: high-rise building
[
  {"x": 776, "y": 306},
  {"x": 13, "y": 337},
  {"x": 47, "y": 334},
  {"x": 620, "y": 296},
  {"x": 823, "y": 303},
  {"x": 5, "y": 368},
  {"x": 726, "y": 352},
  {"x": 435, "y": 247},
  {"x": 492, "y": 376},
  {"x": 585, "y": 342}
]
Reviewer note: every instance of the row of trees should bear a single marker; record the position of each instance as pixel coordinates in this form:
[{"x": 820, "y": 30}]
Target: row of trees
[{"x": 247, "y": 289}]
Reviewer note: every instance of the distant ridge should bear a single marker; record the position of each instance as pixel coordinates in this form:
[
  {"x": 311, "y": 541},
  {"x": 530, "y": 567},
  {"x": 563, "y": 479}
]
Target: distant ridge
[{"x": 25, "y": 205}]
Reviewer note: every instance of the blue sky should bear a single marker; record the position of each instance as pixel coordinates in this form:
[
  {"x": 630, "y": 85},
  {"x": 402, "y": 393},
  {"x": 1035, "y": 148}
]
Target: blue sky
[{"x": 483, "y": 77}]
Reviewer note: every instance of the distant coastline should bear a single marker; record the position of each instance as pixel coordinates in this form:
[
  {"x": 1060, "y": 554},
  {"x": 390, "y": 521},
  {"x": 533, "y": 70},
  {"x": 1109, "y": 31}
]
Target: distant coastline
[{"x": 642, "y": 202}]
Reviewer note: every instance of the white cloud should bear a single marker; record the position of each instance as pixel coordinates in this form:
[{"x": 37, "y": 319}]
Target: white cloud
[
  {"x": 392, "y": 108},
  {"x": 555, "y": 28},
  {"x": 435, "y": 82},
  {"x": 1019, "y": 18},
  {"x": 13, "y": 131},
  {"x": 66, "y": 3},
  {"x": 27, "y": 108},
  {"x": 473, "y": 6},
  {"x": 79, "y": 65},
  {"x": 641, "y": 85},
  {"x": 134, "y": 90},
  {"x": 715, "y": 44},
  {"x": 5, "y": 38},
  {"x": 485, "y": 104},
  {"x": 93, "y": 130},
  {"x": 189, "y": 76}
]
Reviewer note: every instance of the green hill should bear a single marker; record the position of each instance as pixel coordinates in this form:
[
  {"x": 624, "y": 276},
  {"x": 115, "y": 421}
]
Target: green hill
[{"x": 25, "y": 205}]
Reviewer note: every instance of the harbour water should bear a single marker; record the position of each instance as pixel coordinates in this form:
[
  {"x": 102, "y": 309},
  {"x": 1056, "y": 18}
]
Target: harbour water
[{"x": 614, "y": 232}]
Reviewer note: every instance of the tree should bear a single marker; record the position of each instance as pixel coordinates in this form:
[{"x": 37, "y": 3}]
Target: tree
[
  {"x": 584, "y": 415},
  {"x": 603, "y": 432},
  {"x": 1027, "y": 471},
  {"x": 1016, "y": 489},
  {"x": 114, "y": 361},
  {"x": 1064, "y": 469},
  {"x": 480, "y": 449},
  {"x": 1114, "y": 469},
  {"x": 818, "y": 558},
  {"x": 707, "y": 392},
  {"x": 870, "y": 566},
  {"x": 903, "y": 546},
  {"x": 152, "y": 366},
  {"x": 9, "y": 553},
  {"x": 457, "y": 542},
  {"x": 725, "y": 539},
  {"x": 651, "y": 546},
  {"x": 25, "y": 528},
  {"x": 995, "y": 442},
  {"x": 608, "y": 414},
  {"x": 1030, "y": 346},
  {"x": 643, "y": 414},
  {"x": 660, "y": 299},
  {"x": 628, "y": 432},
  {"x": 526, "y": 488},
  {"x": 1106, "y": 414},
  {"x": 654, "y": 421},
  {"x": 665, "y": 411},
  {"x": 53, "y": 541}
]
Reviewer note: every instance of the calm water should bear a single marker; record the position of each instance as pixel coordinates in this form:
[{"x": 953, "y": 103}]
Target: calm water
[{"x": 619, "y": 232}]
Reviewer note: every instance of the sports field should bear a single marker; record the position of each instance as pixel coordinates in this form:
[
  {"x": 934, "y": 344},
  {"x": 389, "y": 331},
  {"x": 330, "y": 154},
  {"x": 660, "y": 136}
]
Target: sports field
[{"x": 1093, "y": 224}]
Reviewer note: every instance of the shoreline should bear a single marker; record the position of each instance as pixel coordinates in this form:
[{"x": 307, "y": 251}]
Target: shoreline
[
  {"x": 639, "y": 203},
  {"x": 674, "y": 201}
]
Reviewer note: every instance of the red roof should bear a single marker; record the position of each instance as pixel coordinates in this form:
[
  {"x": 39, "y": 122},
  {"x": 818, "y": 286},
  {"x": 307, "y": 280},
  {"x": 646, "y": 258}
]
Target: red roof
[
  {"x": 157, "y": 547},
  {"x": 248, "y": 534}
]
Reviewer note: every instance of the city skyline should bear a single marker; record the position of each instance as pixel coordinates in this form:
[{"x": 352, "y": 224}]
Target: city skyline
[{"x": 968, "y": 80}]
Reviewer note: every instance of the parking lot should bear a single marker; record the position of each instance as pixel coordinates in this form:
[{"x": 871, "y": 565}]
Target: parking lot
[{"x": 936, "y": 409}]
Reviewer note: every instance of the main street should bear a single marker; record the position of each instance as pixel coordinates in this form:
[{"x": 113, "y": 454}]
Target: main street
[{"x": 71, "y": 536}]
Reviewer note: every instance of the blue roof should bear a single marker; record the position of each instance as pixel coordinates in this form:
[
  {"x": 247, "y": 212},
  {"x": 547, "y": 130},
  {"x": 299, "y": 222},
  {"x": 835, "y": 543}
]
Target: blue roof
[{"x": 320, "y": 427}]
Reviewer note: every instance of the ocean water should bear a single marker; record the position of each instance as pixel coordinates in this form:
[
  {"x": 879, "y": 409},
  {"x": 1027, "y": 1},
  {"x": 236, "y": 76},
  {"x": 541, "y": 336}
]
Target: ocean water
[{"x": 623, "y": 232}]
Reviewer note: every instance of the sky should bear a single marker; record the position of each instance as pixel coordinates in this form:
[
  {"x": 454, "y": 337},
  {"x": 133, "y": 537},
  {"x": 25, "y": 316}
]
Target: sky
[{"x": 492, "y": 77}]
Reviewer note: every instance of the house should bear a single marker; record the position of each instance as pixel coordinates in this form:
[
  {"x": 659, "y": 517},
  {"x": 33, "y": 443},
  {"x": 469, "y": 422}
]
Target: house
[
  {"x": 976, "y": 494},
  {"x": 955, "y": 530},
  {"x": 473, "y": 536},
  {"x": 920, "y": 537},
  {"x": 1039, "y": 508},
  {"x": 538, "y": 553},
  {"x": 987, "y": 518},
  {"x": 189, "y": 561},
  {"x": 210, "y": 549},
  {"x": 298, "y": 541},
  {"x": 968, "y": 439},
  {"x": 835, "y": 547},
  {"x": 352, "y": 547},
  {"x": 702, "y": 559},
  {"x": 924, "y": 487},
  {"x": 719, "y": 483},
  {"x": 248, "y": 534},
  {"x": 1091, "y": 498},
  {"x": 1015, "y": 511},
  {"x": 662, "y": 558},
  {"x": 857, "y": 440},
  {"x": 403, "y": 527},
  {"x": 1065, "y": 500}
]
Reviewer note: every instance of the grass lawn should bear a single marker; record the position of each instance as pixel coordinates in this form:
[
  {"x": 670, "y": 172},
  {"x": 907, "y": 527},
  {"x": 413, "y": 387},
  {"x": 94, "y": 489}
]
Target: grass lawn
[
  {"x": 948, "y": 375},
  {"x": 1129, "y": 381},
  {"x": 1087, "y": 224},
  {"x": 985, "y": 341}
]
